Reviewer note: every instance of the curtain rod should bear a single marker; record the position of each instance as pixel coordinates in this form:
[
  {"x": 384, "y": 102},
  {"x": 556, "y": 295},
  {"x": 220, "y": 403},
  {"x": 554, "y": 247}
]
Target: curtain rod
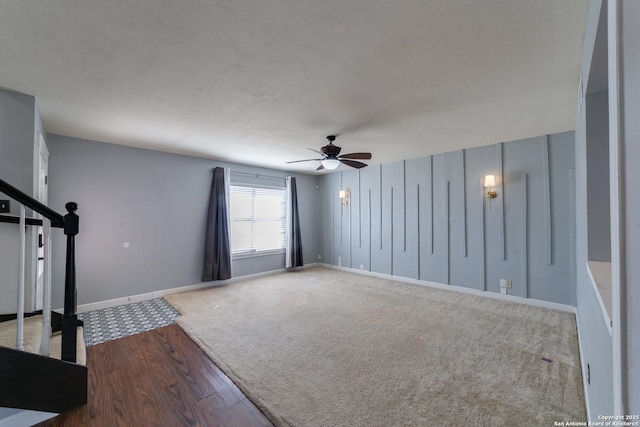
[{"x": 258, "y": 175}]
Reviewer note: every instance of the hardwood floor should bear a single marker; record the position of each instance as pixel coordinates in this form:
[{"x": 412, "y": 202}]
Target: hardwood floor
[{"x": 158, "y": 378}]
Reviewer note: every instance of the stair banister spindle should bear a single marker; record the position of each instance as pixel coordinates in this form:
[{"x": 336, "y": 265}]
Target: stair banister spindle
[
  {"x": 70, "y": 318},
  {"x": 20, "y": 308},
  {"x": 46, "y": 289}
]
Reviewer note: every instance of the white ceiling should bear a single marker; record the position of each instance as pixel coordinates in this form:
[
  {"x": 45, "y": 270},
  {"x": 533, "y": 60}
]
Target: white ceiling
[{"x": 257, "y": 82}]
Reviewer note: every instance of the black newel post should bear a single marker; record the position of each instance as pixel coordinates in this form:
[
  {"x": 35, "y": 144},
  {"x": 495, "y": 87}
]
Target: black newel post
[{"x": 70, "y": 318}]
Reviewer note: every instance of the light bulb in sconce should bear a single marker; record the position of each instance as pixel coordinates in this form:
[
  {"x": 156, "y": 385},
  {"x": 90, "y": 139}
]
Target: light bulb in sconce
[
  {"x": 331, "y": 163},
  {"x": 344, "y": 194}
]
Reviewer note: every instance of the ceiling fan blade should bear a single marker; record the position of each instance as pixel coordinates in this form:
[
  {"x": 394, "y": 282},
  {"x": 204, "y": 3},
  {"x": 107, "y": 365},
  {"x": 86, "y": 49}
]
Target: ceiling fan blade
[
  {"x": 320, "y": 168},
  {"x": 353, "y": 163},
  {"x": 306, "y": 160},
  {"x": 361, "y": 156},
  {"x": 315, "y": 151}
]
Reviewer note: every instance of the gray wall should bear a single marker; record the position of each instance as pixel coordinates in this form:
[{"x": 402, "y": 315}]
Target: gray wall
[
  {"x": 630, "y": 85},
  {"x": 428, "y": 219},
  {"x": 157, "y": 203},
  {"x": 17, "y": 113}
]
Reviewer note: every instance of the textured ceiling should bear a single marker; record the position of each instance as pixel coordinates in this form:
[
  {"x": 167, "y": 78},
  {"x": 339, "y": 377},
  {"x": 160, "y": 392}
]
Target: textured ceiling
[{"x": 258, "y": 82}]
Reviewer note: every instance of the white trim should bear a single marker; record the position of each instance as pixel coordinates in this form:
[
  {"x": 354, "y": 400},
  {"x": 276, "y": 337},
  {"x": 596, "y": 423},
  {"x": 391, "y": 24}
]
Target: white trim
[
  {"x": 596, "y": 290},
  {"x": 486, "y": 294},
  {"x": 585, "y": 386},
  {"x": 233, "y": 183},
  {"x": 616, "y": 182},
  {"x": 40, "y": 151},
  {"x": 157, "y": 294},
  {"x": 252, "y": 254}
]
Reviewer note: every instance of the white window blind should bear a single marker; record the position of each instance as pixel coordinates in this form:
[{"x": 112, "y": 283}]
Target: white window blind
[{"x": 257, "y": 220}]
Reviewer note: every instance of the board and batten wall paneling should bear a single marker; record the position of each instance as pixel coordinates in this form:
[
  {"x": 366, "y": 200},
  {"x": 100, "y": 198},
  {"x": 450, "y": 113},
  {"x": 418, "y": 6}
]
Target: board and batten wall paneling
[
  {"x": 350, "y": 216},
  {"x": 551, "y": 279},
  {"x": 370, "y": 182},
  {"x": 544, "y": 148},
  {"x": 404, "y": 210},
  {"x": 423, "y": 178},
  {"x": 418, "y": 230},
  {"x": 447, "y": 222},
  {"x": 359, "y": 209},
  {"x": 372, "y": 178},
  {"x": 500, "y": 201},
  {"x": 391, "y": 222},
  {"x": 431, "y": 204},
  {"x": 369, "y": 212},
  {"x": 524, "y": 269},
  {"x": 463, "y": 195},
  {"x": 381, "y": 259},
  {"x": 342, "y": 211},
  {"x": 405, "y": 219},
  {"x": 414, "y": 216},
  {"x": 429, "y": 218},
  {"x": 481, "y": 227}
]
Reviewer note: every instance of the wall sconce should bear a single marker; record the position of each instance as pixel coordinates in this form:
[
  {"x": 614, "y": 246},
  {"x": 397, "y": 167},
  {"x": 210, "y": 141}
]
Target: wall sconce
[
  {"x": 490, "y": 181},
  {"x": 344, "y": 195}
]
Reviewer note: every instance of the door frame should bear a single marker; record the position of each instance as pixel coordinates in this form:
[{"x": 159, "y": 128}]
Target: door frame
[{"x": 40, "y": 151}]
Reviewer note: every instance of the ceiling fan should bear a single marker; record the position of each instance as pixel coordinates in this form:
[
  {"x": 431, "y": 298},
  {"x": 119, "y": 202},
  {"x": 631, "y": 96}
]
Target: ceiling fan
[{"x": 331, "y": 157}]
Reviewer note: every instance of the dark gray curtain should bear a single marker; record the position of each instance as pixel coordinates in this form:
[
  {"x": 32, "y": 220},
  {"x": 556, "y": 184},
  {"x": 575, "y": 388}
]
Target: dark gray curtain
[
  {"x": 294, "y": 242},
  {"x": 217, "y": 247}
]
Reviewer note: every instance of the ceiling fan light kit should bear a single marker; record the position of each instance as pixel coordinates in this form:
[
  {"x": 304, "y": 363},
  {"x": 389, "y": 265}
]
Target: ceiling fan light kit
[
  {"x": 331, "y": 157},
  {"x": 330, "y": 163}
]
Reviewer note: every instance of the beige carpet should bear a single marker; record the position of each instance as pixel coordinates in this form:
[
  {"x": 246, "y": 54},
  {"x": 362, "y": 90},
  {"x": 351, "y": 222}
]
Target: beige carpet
[
  {"x": 322, "y": 347},
  {"x": 32, "y": 337}
]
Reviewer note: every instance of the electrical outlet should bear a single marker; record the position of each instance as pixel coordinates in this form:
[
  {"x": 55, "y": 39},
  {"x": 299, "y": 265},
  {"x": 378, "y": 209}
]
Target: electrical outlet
[
  {"x": 319, "y": 257},
  {"x": 5, "y": 206},
  {"x": 361, "y": 266},
  {"x": 339, "y": 261},
  {"x": 504, "y": 283},
  {"x": 503, "y": 291}
]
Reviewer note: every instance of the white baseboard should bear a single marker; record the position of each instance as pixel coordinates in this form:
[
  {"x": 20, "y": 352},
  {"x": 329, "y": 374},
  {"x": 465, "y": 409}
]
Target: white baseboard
[
  {"x": 486, "y": 294},
  {"x": 83, "y": 308},
  {"x": 585, "y": 386},
  {"x": 159, "y": 293}
]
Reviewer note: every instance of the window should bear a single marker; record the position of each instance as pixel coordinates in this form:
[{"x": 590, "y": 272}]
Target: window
[{"x": 258, "y": 218}]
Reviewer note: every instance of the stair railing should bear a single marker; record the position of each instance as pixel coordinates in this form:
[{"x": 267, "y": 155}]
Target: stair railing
[
  {"x": 46, "y": 288},
  {"x": 69, "y": 223},
  {"x": 20, "y": 310}
]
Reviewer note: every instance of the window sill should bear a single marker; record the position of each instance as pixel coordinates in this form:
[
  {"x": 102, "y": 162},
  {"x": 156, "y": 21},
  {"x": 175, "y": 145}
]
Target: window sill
[
  {"x": 600, "y": 275},
  {"x": 257, "y": 254}
]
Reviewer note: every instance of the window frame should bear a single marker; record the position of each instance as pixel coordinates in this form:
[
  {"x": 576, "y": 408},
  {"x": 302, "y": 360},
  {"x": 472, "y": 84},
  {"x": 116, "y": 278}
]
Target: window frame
[{"x": 254, "y": 252}]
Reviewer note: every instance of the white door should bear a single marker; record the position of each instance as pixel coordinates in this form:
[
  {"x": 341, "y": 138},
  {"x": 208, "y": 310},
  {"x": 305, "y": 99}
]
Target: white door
[{"x": 43, "y": 182}]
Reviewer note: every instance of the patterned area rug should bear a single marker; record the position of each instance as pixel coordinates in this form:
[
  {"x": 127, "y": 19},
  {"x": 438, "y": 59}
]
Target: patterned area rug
[{"x": 116, "y": 322}]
